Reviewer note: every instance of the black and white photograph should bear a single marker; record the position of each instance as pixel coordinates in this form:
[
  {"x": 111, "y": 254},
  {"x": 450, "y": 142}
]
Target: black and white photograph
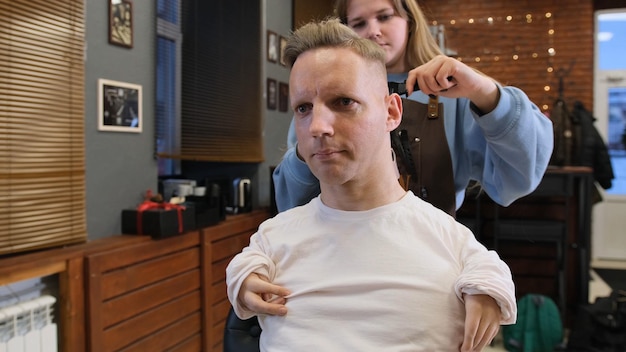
[
  {"x": 272, "y": 46},
  {"x": 283, "y": 96},
  {"x": 272, "y": 92},
  {"x": 121, "y": 23},
  {"x": 283, "y": 44},
  {"x": 119, "y": 106}
]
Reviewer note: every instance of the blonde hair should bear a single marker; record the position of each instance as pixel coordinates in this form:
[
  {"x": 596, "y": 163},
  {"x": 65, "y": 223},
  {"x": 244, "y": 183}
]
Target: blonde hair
[
  {"x": 421, "y": 46},
  {"x": 331, "y": 33}
]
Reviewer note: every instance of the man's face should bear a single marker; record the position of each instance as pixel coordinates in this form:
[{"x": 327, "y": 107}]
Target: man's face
[
  {"x": 340, "y": 104},
  {"x": 115, "y": 100}
]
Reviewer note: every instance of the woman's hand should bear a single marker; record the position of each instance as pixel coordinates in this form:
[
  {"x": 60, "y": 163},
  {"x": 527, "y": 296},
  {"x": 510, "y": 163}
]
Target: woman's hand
[{"x": 451, "y": 78}]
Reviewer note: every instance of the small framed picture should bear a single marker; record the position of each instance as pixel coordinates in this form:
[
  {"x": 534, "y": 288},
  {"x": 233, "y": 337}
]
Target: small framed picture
[
  {"x": 121, "y": 23},
  {"x": 283, "y": 44},
  {"x": 272, "y": 46},
  {"x": 283, "y": 96},
  {"x": 272, "y": 92},
  {"x": 119, "y": 106}
]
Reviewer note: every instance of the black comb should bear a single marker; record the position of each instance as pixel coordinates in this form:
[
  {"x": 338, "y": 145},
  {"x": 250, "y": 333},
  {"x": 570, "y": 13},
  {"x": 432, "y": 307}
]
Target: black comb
[{"x": 400, "y": 88}]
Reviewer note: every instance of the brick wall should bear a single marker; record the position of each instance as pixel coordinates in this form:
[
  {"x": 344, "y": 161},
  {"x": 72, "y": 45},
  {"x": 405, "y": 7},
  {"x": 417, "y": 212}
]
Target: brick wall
[{"x": 495, "y": 43}]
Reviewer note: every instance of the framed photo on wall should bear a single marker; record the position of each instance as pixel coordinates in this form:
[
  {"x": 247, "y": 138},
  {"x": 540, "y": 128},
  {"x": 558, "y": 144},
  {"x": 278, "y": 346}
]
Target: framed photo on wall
[
  {"x": 272, "y": 46},
  {"x": 119, "y": 106},
  {"x": 283, "y": 44},
  {"x": 283, "y": 97},
  {"x": 121, "y": 23},
  {"x": 272, "y": 91}
]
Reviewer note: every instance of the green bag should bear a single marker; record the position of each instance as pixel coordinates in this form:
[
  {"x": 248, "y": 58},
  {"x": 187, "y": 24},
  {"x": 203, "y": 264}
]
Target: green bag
[{"x": 538, "y": 328}]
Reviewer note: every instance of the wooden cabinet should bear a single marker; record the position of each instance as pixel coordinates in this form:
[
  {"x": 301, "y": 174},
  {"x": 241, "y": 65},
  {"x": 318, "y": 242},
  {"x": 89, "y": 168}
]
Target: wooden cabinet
[
  {"x": 561, "y": 202},
  {"x": 66, "y": 265},
  {"x": 146, "y": 296},
  {"x": 133, "y": 293},
  {"x": 226, "y": 240}
]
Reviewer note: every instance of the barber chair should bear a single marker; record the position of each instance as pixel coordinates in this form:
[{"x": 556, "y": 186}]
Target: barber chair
[{"x": 241, "y": 335}]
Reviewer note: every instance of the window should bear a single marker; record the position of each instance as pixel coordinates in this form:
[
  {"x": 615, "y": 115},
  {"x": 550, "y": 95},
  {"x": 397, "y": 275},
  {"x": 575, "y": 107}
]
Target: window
[
  {"x": 42, "y": 179},
  {"x": 168, "y": 75},
  {"x": 611, "y": 91},
  {"x": 210, "y": 108},
  {"x": 611, "y": 32}
]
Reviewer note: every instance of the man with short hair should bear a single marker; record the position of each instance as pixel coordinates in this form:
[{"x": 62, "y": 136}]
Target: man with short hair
[{"x": 366, "y": 265}]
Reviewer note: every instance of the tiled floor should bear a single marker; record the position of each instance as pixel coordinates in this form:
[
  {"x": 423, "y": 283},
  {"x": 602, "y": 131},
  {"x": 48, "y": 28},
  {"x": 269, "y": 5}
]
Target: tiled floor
[{"x": 597, "y": 288}]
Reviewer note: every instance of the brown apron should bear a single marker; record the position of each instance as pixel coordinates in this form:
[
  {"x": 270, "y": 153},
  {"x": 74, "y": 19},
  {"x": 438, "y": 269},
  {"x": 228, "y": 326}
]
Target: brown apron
[{"x": 423, "y": 154}]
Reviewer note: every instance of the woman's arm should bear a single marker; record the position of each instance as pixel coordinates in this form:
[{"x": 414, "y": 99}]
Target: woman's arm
[
  {"x": 294, "y": 183},
  {"x": 519, "y": 143}
]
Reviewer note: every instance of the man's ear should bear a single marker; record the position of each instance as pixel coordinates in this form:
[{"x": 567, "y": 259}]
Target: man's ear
[{"x": 394, "y": 111}]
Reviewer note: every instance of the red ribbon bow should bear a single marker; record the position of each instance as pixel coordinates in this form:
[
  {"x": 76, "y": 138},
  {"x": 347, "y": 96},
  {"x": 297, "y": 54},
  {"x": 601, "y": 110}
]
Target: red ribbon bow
[{"x": 148, "y": 204}]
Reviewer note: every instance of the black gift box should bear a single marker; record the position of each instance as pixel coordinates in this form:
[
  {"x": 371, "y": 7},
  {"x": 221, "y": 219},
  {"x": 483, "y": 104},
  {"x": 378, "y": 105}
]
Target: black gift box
[
  {"x": 208, "y": 212},
  {"x": 158, "y": 222}
]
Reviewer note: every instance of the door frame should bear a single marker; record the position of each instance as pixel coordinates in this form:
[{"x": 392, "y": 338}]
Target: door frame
[{"x": 607, "y": 225}]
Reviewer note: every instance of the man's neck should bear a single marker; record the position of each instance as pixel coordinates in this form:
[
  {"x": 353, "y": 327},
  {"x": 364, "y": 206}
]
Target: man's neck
[{"x": 354, "y": 197}]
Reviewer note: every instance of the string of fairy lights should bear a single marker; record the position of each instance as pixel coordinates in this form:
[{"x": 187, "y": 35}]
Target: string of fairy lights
[{"x": 545, "y": 51}]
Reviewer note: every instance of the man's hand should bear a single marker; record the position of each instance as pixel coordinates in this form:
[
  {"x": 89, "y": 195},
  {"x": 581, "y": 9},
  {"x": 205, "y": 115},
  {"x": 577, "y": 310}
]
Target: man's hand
[
  {"x": 257, "y": 294},
  {"x": 482, "y": 322}
]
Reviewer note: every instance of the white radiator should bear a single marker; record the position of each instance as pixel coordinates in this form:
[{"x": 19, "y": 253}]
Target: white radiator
[{"x": 28, "y": 326}]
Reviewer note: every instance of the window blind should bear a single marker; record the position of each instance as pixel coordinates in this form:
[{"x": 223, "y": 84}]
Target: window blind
[
  {"x": 42, "y": 173},
  {"x": 221, "y": 112}
]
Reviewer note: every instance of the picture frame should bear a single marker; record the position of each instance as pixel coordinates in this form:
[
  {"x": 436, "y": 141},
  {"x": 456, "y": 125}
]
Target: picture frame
[
  {"x": 283, "y": 45},
  {"x": 121, "y": 23},
  {"x": 283, "y": 97},
  {"x": 119, "y": 106},
  {"x": 272, "y": 93},
  {"x": 272, "y": 46}
]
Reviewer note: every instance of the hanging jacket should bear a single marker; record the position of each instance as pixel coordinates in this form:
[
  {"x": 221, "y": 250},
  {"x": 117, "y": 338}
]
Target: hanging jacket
[
  {"x": 564, "y": 135},
  {"x": 591, "y": 149}
]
